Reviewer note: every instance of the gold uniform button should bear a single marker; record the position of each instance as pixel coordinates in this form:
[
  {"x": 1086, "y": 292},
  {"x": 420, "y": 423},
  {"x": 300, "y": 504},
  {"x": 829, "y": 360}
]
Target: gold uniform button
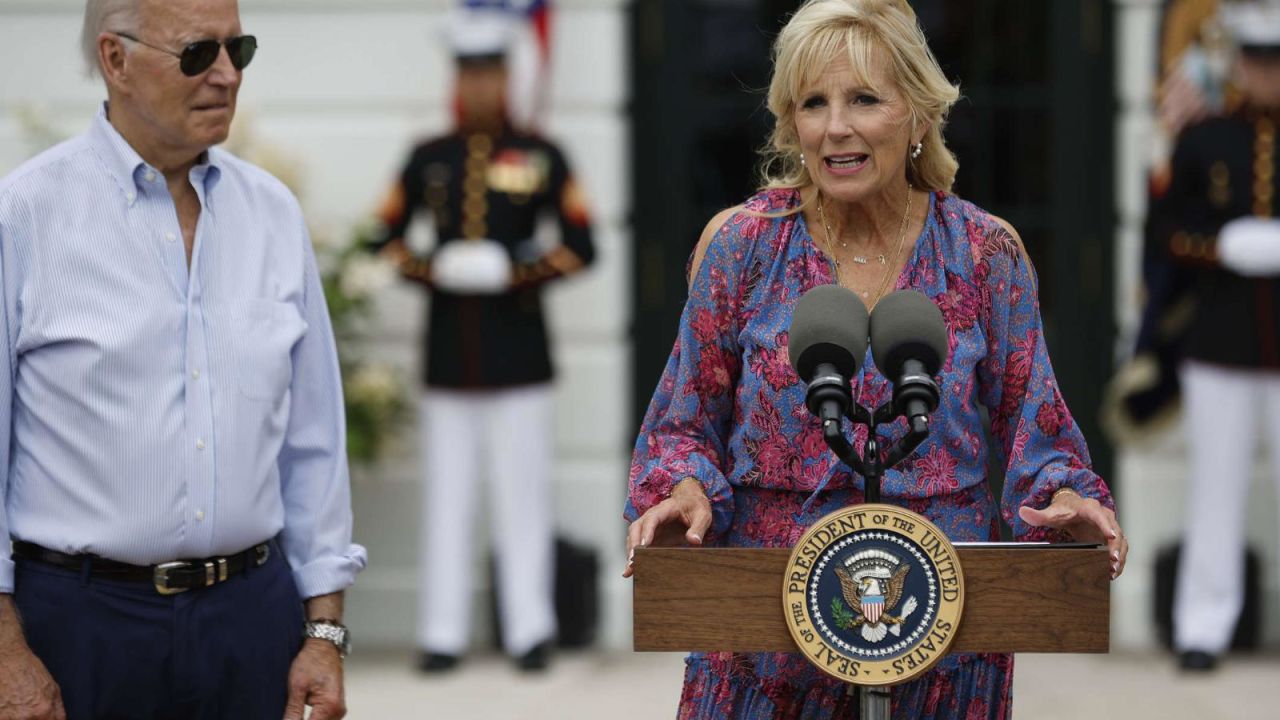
[{"x": 1181, "y": 244}]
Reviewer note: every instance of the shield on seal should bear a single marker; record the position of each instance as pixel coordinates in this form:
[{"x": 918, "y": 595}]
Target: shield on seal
[{"x": 872, "y": 606}]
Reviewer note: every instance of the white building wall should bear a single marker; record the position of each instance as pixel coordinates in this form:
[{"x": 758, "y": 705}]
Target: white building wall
[
  {"x": 342, "y": 89},
  {"x": 1152, "y": 479}
]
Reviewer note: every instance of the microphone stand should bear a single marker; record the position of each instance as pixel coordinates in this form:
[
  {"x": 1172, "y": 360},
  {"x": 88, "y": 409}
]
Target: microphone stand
[
  {"x": 874, "y": 701},
  {"x": 870, "y": 465}
]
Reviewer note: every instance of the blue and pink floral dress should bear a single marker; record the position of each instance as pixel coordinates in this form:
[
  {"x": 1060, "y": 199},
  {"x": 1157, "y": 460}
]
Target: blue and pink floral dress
[{"x": 729, "y": 411}]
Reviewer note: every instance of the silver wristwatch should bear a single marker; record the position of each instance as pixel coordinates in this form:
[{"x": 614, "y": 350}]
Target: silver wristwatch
[{"x": 331, "y": 630}]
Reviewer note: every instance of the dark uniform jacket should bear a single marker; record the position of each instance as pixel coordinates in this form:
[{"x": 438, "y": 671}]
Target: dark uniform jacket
[
  {"x": 1223, "y": 169},
  {"x": 495, "y": 187}
]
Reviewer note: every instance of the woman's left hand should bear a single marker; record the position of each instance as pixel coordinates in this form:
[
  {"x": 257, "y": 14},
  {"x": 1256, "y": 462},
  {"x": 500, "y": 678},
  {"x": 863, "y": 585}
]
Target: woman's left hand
[{"x": 1086, "y": 520}]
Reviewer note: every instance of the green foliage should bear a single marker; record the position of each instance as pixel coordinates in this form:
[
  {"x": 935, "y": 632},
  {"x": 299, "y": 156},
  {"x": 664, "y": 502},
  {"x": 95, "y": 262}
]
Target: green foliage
[{"x": 841, "y": 614}]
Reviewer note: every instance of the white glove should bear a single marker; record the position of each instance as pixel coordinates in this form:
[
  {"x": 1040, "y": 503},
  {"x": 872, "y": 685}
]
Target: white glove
[
  {"x": 1250, "y": 246},
  {"x": 472, "y": 267}
]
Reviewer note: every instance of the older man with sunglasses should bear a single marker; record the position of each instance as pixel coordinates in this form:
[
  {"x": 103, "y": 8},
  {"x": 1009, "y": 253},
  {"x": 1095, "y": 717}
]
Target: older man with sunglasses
[{"x": 174, "y": 480}]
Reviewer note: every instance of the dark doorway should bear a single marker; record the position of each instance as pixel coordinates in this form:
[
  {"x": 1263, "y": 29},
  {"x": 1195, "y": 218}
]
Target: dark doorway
[{"x": 1033, "y": 133}]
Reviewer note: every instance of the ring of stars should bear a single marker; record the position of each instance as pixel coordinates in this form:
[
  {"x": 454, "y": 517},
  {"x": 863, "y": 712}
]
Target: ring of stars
[{"x": 922, "y": 626}]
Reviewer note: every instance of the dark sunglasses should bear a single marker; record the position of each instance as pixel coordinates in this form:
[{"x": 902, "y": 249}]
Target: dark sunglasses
[{"x": 202, "y": 54}]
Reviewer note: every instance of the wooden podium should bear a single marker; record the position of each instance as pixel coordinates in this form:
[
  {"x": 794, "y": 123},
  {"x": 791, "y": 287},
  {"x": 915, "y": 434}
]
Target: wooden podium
[
  {"x": 1019, "y": 598},
  {"x": 861, "y": 561}
]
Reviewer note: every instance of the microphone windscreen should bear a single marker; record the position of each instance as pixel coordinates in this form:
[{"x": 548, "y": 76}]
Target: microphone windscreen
[
  {"x": 829, "y": 326},
  {"x": 906, "y": 325}
]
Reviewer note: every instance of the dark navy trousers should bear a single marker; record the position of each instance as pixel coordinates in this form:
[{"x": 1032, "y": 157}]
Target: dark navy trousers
[{"x": 122, "y": 651}]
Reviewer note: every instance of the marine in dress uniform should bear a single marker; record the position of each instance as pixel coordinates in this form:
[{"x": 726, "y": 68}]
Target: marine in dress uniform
[
  {"x": 487, "y": 408},
  {"x": 1217, "y": 226},
  {"x": 1143, "y": 399}
]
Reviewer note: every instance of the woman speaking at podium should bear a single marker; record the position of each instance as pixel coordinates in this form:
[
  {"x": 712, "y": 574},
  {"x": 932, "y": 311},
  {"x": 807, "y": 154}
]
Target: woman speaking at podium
[{"x": 856, "y": 192}]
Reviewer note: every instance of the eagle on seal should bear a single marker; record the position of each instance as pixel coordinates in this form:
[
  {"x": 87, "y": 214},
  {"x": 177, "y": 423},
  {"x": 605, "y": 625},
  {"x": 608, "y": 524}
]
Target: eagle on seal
[{"x": 872, "y": 584}]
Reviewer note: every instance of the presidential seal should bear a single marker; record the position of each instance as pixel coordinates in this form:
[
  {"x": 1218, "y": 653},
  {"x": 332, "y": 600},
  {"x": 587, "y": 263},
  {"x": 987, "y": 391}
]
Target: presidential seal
[{"x": 873, "y": 594}]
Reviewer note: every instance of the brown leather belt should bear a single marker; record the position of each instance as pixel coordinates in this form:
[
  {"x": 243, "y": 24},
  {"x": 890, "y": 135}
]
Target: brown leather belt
[{"x": 168, "y": 578}]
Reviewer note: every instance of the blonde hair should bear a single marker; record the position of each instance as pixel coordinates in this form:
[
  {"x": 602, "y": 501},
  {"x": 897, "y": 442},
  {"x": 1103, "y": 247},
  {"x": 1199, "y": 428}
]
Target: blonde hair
[{"x": 811, "y": 40}]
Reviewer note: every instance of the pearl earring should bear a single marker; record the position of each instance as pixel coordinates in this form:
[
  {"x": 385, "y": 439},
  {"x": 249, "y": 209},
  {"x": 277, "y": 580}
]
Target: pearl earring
[
  {"x": 802, "y": 160},
  {"x": 916, "y": 150}
]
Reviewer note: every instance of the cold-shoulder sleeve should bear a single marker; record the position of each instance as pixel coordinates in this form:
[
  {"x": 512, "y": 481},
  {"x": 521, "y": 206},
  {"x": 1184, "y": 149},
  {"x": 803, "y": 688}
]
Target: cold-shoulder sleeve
[
  {"x": 686, "y": 428},
  {"x": 1040, "y": 443}
]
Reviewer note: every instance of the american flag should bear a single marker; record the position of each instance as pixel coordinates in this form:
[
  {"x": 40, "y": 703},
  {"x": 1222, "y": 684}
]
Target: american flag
[{"x": 528, "y": 59}]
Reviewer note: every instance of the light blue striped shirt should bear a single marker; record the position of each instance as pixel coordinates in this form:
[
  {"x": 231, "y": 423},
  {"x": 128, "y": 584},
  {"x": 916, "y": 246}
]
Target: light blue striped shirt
[{"x": 155, "y": 413}]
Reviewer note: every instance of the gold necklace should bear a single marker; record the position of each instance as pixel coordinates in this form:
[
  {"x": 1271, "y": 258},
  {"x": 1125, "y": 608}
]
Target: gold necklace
[
  {"x": 860, "y": 259},
  {"x": 902, "y": 238}
]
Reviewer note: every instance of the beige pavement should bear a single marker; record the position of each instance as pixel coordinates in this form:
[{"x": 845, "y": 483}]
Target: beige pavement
[{"x": 643, "y": 686}]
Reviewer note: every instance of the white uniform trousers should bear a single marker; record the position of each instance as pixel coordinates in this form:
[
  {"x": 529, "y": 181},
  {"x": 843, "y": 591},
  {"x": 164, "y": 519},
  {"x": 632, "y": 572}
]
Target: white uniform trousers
[
  {"x": 1225, "y": 411},
  {"x": 504, "y": 436}
]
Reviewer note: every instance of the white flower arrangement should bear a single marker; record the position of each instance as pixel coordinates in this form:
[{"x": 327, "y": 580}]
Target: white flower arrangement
[{"x": 365, "y": 275}]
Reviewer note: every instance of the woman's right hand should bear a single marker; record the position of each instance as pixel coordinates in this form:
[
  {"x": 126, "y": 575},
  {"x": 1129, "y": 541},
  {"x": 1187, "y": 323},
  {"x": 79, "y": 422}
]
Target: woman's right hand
[{"x": 681, "y": 519}]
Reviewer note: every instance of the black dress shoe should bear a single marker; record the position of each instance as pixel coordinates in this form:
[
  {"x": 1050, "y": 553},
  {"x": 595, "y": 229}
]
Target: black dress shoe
[
  {"x": 1197, "y": 661},
  {"x": 430, "y": 662},
  {"x": 537, "y": 659}
]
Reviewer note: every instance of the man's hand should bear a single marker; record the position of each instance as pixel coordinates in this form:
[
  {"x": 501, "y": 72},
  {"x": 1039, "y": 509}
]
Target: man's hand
[
  {"x": 316, "y": 680},
  {"x": 27, "y": 691}
]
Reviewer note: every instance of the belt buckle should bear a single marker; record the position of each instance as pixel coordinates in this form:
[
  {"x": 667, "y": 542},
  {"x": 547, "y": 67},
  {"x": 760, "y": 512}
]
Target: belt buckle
[{"x": 160, "y": 578}]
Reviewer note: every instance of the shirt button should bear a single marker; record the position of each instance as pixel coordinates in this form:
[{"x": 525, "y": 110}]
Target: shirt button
[
  {"x": 195, "y": 374},
  {"x": 150, "y": 176},
  {"x": 199, "y": 516},
  {"x": 170, "y": 237},
  {"x": 131, "y": 196},
  {"x": 199, "y": 444}
]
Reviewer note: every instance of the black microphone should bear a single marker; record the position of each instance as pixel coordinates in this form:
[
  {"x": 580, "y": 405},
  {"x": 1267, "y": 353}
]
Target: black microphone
[
  {"x": 827, "y": 345},
  {"x": 909, "y": 345}
]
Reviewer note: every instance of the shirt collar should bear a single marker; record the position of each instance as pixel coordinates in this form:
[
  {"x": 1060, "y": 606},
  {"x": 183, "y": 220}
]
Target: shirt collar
[
  {"x": 133, "y": 175},
  {"x": 205, "y": 176}
]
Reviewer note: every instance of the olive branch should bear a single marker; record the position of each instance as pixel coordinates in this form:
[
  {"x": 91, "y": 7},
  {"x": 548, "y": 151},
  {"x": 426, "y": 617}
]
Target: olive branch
[{"x": 841, "y": 614}]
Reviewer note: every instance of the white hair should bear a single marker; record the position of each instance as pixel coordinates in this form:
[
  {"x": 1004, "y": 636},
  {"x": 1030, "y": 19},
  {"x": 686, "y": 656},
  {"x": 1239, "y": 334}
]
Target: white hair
[{"x": 105, "y": 16}]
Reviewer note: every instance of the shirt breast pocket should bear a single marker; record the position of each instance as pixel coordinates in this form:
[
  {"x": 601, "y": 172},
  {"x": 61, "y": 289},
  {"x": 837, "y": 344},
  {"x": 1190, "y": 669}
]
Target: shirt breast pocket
[{"x": 265, "y": 334}]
